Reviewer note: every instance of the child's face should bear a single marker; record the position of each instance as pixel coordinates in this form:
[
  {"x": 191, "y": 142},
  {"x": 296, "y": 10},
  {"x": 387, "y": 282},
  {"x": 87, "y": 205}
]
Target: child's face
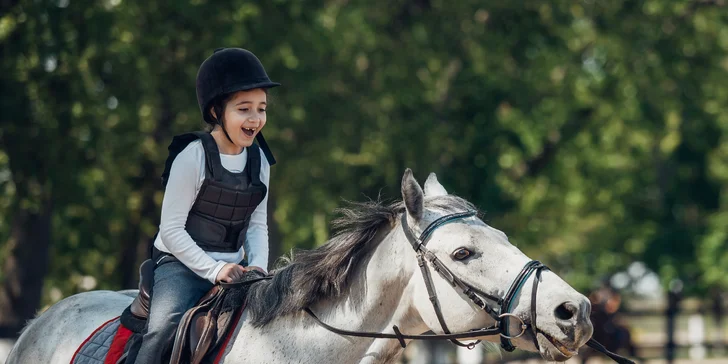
[{"x": 245, "y": 116}]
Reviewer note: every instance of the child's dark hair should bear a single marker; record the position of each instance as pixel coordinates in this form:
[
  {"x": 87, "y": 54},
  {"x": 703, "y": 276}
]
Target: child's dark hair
[{"x": 218, "y": 106}]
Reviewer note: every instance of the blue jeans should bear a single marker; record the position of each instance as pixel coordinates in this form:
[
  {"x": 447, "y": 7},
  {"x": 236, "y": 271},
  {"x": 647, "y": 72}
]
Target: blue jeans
[{"x": 176, "y": 290}]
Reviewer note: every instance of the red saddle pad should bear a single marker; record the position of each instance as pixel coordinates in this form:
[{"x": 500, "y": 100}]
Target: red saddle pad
[{"x": 107, "y": 343}]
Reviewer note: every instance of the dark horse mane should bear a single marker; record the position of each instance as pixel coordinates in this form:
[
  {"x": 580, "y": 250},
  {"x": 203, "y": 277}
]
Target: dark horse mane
[{"x": 324, "y": 272}]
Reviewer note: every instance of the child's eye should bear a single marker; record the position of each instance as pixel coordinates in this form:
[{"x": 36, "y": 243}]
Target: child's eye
[
  {"x": 244, "y": 109},
  {"x": 262, "y": 110}
]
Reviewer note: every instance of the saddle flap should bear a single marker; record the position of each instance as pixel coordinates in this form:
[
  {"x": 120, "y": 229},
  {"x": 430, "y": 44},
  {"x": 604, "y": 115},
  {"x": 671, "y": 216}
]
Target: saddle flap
[
  {"x": 140, "y": 305},
  {"x": 180, "y": 351},
  {"x": 204, "y": 328},
  {"x": 202, "y": 335},
  {"x": 193, "y": 338}
]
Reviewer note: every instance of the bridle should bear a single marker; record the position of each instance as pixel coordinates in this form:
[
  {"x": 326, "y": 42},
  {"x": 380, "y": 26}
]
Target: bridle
[{"x": 501, "y": 313}]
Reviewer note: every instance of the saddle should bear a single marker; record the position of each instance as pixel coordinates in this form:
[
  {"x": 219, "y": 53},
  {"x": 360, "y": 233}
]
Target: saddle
[{"x": 203, "y": 328}]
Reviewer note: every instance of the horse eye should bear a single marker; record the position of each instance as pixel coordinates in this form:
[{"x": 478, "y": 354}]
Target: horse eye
[{"x": 461, "y": 254}]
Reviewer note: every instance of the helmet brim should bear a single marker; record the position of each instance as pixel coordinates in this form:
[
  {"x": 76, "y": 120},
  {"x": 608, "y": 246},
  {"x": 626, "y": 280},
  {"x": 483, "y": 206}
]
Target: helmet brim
[{"x": 250, "y": 86}]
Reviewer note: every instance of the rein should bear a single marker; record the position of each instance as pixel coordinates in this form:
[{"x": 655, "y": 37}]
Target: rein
[
  {"x": 402, "y": 337},
  {"x": 501, "y": 314}
]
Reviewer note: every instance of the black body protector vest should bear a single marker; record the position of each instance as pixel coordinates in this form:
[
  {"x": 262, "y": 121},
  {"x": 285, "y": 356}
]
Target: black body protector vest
[{"x": 219, "y": 218}]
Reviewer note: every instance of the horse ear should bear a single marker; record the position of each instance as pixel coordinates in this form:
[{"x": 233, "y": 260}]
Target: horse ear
[
  {"x": 433, "y": 188},
  {"x": 414, "y": 199}
]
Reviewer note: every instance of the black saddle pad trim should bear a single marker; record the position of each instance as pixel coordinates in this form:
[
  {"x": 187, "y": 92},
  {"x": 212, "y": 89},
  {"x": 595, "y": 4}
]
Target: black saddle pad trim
[{"x": 131, "y": 322}]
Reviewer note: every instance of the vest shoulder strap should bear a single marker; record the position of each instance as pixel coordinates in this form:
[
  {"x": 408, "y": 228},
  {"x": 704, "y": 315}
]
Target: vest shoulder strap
[
  {"x": 266, "y": 149},
  {"x": 253, "y": 163},
  {"x": 178, "y": 144},
  {"x": 213, "y": 165}
]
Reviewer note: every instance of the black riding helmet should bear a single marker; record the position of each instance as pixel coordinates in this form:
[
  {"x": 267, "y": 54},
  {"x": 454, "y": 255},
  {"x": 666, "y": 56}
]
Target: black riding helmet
[{"x": 230, "y": 70}]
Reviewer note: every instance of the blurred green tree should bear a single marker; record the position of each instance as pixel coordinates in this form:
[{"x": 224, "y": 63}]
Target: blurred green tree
[{"x": 592, "y": 132}]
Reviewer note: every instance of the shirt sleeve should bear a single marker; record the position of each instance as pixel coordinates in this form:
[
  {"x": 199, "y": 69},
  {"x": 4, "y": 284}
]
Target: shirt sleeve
[
  {"x": 256, "y": 239},
  {"x": 179, "y": 195}
]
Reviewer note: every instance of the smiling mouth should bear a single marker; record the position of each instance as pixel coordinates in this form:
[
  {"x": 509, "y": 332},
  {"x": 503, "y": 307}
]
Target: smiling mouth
[
  {"x": 249, "y": 131},
  {"x": 559, "y": 346}
]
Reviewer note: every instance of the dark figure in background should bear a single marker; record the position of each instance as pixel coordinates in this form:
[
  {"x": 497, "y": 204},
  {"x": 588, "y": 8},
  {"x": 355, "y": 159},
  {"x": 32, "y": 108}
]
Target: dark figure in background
[{"x": 607, "y": 329}]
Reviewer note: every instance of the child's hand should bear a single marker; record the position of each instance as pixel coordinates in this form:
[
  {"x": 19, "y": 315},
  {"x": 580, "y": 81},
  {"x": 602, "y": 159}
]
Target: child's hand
[
  {"x": 252, "y": 267},
  {"x": 230, "y": 272}
]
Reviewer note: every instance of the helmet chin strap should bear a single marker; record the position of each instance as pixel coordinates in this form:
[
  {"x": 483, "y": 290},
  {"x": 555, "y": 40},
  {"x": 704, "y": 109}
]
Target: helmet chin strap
[
  {"x": 224, "y": 131},
  {"x": 218, "y": 121}
]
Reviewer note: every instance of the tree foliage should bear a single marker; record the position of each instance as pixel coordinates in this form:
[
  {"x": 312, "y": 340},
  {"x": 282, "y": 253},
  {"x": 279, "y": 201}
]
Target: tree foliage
[{"x": 591, "y": 132}]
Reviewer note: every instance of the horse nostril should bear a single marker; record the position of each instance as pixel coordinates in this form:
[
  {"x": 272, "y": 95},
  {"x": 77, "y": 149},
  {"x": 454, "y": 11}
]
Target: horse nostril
[{"x": 566, "y": 311}]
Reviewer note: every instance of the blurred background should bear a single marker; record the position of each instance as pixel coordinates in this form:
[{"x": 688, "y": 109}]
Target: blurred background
[{"x": 592, "y": 132}]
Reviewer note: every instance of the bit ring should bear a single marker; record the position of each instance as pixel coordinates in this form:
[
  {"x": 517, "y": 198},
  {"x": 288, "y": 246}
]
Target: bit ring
[{"x": 524, "y": 326}]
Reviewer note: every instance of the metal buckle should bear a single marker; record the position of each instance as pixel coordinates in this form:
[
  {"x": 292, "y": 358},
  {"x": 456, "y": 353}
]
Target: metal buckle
[{"x": 524, "y": 326}]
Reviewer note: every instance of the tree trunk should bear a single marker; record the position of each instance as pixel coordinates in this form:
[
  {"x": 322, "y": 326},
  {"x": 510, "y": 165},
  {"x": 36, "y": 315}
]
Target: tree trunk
[
  {"x": 275, "y": 239},
  {"x": 25, "y": 268},
  {"x": 137, "y": 244}
]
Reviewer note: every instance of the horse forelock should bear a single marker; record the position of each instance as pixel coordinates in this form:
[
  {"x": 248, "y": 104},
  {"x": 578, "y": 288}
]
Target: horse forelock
[{"x": 324, "y": 272}]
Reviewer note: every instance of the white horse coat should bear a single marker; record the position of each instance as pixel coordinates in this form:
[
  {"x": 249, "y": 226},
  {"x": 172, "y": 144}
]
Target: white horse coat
[{"x": 366, "y": 278}]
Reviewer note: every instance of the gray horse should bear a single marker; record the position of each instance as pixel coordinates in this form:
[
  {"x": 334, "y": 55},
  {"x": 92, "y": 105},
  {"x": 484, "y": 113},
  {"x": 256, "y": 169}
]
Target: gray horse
[{"x": 366, "y": 278}]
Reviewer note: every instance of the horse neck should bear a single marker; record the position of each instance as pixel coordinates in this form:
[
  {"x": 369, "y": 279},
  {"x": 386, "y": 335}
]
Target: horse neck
[{"x": 378, "y": 298}]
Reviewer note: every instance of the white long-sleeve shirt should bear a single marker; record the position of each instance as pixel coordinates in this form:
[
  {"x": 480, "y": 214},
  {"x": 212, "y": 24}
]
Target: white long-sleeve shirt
[{"x": 185, "y": 179}]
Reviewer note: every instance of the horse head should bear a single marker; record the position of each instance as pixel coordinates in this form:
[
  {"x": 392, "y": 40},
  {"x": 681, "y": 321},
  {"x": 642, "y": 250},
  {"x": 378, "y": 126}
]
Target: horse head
[{"x": 477, "y": 278}]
